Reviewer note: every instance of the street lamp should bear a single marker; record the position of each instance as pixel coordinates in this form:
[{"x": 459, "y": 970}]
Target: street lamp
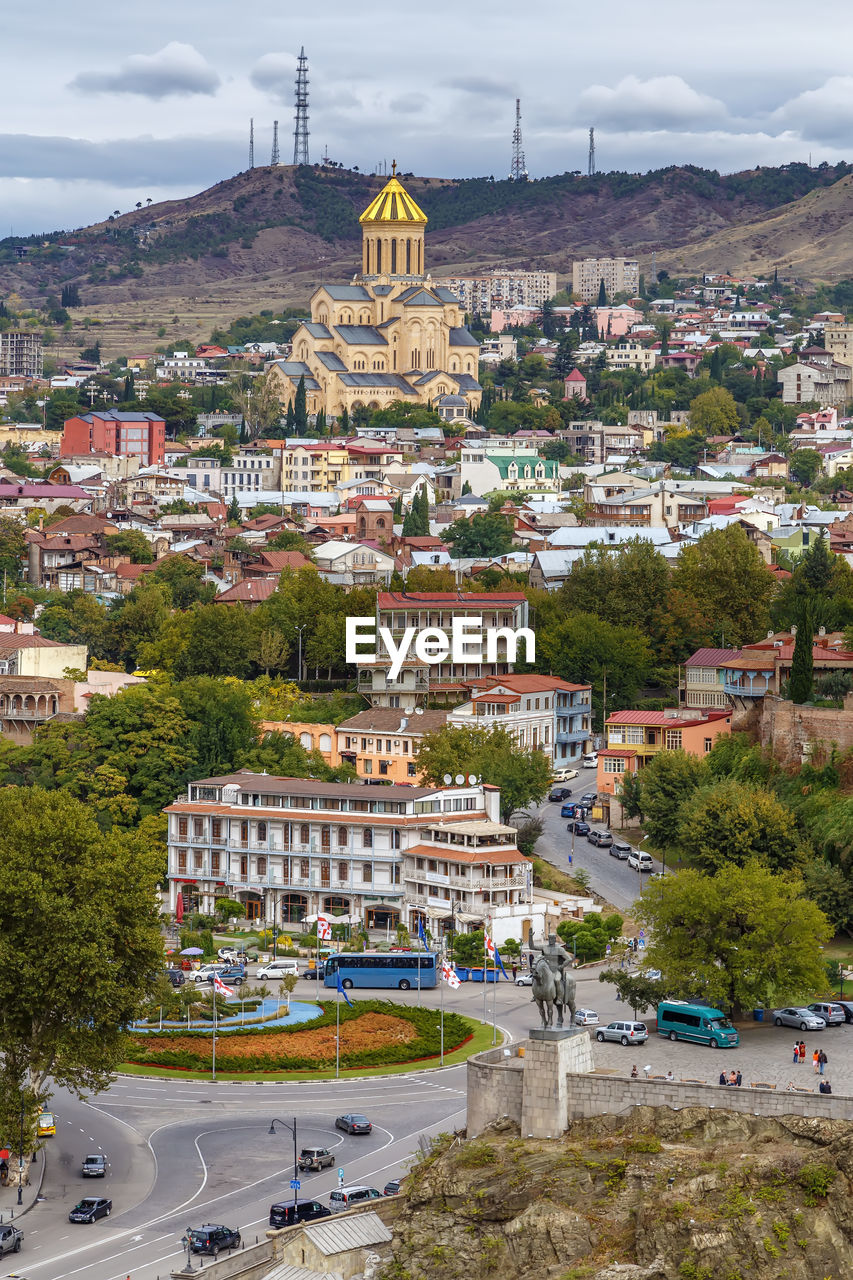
[
  {"x": 299, "y": 631},
  {"x": 292, "y": 1127},
  {"x": 21, "y": 1156}
]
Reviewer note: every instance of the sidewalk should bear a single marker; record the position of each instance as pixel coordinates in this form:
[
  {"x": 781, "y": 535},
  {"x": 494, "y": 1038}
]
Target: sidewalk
[{"x": 10, "y": 1210}]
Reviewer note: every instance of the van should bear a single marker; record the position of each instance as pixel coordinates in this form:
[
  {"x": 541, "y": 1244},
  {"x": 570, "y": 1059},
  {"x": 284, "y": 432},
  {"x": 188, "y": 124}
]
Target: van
[
  {"x": 590, "y": 760},
  {"x": 349, "y": 1197},
  {"x": 639, "y": 860},
  {"x": 279, "y": 968},
  {"x": 696, "y": 1022},
  {"x": 288, "y": 1214}
]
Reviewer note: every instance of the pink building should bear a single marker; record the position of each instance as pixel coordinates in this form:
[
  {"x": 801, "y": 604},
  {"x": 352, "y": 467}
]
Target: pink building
[
  {"x": 513, "y": 317},
  {"x": 615, "y": 322}
]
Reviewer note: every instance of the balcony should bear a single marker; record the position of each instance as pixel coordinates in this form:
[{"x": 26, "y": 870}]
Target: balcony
[{"x": 747, "y": 688}]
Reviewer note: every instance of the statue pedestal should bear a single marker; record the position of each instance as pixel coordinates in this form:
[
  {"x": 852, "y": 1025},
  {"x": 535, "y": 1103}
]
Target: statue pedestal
[{"x": 551, "y": 1054}]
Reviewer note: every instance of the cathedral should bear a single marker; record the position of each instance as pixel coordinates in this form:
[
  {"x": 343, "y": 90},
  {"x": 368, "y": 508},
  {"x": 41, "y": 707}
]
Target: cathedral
[{"x": 388, "y": 336}]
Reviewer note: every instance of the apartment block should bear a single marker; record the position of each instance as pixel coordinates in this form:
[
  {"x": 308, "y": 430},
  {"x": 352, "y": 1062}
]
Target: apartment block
[
  {"x": 500, "y": 289},
  {"x": 291, "y": 847},
  {"x": 620, "y": 275},
  {"x": 137, "y": 435},
  {"x": 21, "y": 354},
  {"x": 542, "y": 713},
  {"x": 838, "y": 341}
]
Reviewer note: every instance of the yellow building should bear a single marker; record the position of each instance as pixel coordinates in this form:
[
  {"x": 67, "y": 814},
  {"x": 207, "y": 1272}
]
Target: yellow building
[{"x": 390, "y": 335}]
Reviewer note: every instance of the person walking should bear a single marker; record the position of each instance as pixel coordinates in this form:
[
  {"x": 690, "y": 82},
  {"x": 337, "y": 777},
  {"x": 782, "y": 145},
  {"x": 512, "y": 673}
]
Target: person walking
[
  {"x": 822, "y": 1060},
  {"x": 514, "y": 971},
  {"x": 802, "y": 1052},
  {"x": 739, "y": 1080},
  {"x": 796, "y": 1052},
  {"x": 815, "y": 1061}
]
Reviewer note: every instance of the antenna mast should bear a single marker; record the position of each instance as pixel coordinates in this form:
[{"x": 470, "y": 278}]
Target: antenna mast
[
  {"x": 519, "y": 169},
  {"x": 591, "y": 162},
  {"x": 274, "y": 158},
  {"x": 300, "y": 131},
  {"x": 252, "y": 143}
]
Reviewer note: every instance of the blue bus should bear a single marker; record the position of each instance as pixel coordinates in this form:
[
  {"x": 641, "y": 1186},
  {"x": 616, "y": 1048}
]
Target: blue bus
[{"x": 366, "y": 969}]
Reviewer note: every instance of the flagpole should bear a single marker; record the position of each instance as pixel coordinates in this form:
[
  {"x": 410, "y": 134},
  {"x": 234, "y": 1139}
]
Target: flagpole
[
  {"x": 442, "y": 1023},
  {"x": 213, "y": 1064},
  {"x": 420, "y": 926},
  {"x": 495, "y": 999},
  {"x": 338, "y": 1026}
]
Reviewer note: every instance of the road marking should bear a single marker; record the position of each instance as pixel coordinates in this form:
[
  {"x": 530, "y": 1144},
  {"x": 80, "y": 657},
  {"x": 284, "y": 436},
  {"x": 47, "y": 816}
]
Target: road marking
[{"x": 122, "y": 1254}]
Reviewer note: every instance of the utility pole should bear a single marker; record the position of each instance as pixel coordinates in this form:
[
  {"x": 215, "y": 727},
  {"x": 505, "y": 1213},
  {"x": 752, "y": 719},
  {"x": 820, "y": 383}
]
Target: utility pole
[
  {"x": 252, "y": 143},
  {"x": 274, "y": 158},
  {"x": 590, "y": 168},
  {"x": 518, "y": 173},
  {"x": 300, "y": 131}
]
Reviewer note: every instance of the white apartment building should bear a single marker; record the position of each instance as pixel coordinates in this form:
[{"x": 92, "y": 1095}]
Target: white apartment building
[
  {"x": 631, "y": 355},
  {"x": 251, "y": 472},
  {"x": 500, "y": 289},
  {"x": 620, "y": 275},
  {"x": 543, "y": 713},
  {"x": 21, "y": 354},
  {"x": 287, "y": 848},
  {"x": 838, "y": 340},
  {"x": 816, "y": 378}
]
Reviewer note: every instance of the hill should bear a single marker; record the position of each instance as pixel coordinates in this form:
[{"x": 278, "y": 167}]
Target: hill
[{"x": 266, "y": 237}]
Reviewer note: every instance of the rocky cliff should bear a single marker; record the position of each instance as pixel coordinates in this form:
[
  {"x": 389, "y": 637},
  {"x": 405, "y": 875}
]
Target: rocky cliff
[{"x": 699, "y": 1194}]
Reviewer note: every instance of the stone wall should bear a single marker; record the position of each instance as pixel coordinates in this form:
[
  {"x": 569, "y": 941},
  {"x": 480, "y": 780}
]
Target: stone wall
[
  {"x": 497, "y": 1088},
  {"x": 787, "y": 728}
]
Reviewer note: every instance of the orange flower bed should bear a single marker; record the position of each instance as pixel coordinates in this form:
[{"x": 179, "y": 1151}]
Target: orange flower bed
[{"x": 370, "y": 1031}]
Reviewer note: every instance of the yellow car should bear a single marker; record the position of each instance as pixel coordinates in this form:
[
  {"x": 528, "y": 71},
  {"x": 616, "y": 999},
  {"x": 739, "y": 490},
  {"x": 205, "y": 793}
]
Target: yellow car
[{"x": 46, "y": 1124}]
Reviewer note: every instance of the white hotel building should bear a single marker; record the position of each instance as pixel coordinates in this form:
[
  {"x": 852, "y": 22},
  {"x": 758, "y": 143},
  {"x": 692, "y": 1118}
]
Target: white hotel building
[{"x": 292, "y": 847}]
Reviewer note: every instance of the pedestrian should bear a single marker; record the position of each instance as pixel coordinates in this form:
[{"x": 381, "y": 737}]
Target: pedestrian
[
  {"x": 723, "y": 1079},
  {"x": 796, "y": 1052},
  {"x": 822, "y": 1060},
  {"x": 732, "y": 1078},
  {"x": 827, "y": 1087},
  {"x": 634, "y": 1072},
  {"x": 514, "y": 970},
  {"x": 815, "y": 1061},
  {"x": 789, "y": 1087},
  {"x": 670, "y": 1076},
  {"x": 802, "y": 1052},
  {"x": 739, "y": 1080}
]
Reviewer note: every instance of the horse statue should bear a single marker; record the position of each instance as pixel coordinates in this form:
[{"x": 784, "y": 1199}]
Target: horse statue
[{"x": 552, "y": 990}]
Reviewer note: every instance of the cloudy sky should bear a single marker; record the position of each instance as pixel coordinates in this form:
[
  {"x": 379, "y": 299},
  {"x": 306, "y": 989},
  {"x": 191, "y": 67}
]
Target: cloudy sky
[{"x": 108, "y": 104}]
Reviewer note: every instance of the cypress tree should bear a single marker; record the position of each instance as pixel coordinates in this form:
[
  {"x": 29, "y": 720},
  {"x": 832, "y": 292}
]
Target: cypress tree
[
  {"x": 398, "y": 509},
  {"x": 320, "y": 426},
  {"x": 300, "y": 409},
  {"x": 802, "y": 665},
  {"x": 344, "y": 422},
  {"x": 290, "y": 420},
  {"x": 602, "y": 294}
]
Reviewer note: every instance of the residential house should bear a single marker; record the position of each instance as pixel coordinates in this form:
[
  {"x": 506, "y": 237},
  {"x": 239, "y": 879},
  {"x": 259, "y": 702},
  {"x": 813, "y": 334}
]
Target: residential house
[
  {"x": 726, "y": 678},
  {"x": 634, "y": 737},
  {"x": 487, "y": 470},
  {"x": 816, "y": 376},
  {"x": 25, "y": 653},
  {"x": 353, "y": 564},
  {"x": 27, "y": 702},
  {"x": 542, "y": 713},
  {"x": 630, "y": 354},
  {"x": 117, "y": 431},
  {"x": 383, "y": 742}
]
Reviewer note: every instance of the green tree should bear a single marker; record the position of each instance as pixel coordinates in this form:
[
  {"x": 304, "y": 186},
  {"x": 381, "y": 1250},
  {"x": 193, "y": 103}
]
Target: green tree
[
  {"x": 207, "y": 640},
  {"x": 222, "y": 720},
  {"x": 733, "y": 823},
  {"x": 300, "y": 409},
  {"x": 132, "y": 543},
  {"x": 13, "y": 548},
  {"x": 184, "y": 579},
  {"x": 668, "y": 781},
  {"x": 523, "y": 776},
  {"x": 77, "y": 618},
  {"x": 802, "y": 663},
  {"x": 74, "y": 901},
  {"x": 832, "y": 890},
  {"x": 602, "y": 295},
  {"x": 805, "y": 466},
  {"x": 741, "y": 938},
  {"x": 715, "y": 412},
  {"x": 482, "y": 535},
  {"x": 235, "y": 514},
  {"x": 584, "y": 649},
  {"x": 725, "y": 576}
]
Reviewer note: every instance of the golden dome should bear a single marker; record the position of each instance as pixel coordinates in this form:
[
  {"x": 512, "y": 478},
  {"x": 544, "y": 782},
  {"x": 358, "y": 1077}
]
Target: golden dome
[{"x": 393, "y": 204}]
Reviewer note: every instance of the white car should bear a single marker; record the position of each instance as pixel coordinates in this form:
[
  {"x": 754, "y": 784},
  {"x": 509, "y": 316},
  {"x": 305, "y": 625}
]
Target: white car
[
  {"x": 524, "y": 980},
  {"x": 590, "y": 761},
  {"x": 206, "y": 972},
  {"x": 278, "y": 969},
  {"x": 639, "y": 860},
  {"x": 564, "y": 775},
  {"x": 586, "y": 1018}
]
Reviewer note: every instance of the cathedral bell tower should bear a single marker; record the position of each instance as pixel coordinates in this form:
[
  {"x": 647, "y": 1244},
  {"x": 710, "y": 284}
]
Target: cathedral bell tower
[{"x": 392, "y": 228}]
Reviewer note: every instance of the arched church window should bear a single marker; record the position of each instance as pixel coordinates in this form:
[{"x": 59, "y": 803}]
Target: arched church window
[{"x": 393, "y": 257}]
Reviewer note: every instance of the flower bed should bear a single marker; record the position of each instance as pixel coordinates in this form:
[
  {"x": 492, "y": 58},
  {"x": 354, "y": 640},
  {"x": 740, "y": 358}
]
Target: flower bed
[{"x": 373, "y": 1033}]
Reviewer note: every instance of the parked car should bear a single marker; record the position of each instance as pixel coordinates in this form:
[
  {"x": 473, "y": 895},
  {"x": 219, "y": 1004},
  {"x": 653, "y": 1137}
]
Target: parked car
[
  {"x": 624, "y": 1032},
  {"x": 90, "y": 1209},
  {"x": 176, "y": 977},
  {"x": 11, "y": 1239},
  {"x": 653, "y": 975},
  {"x": 847, "y": 1006},
  {"x": 346, "y": 1197},
  {"x": 588, "y": 798},
  {"x": 590, "y": 760},
  {"x": 278, "y": 969},
  {"x": 235, "y": 955},
  {"x": 313, "y": 974},
  {"x": 564, "y": 775},
  {"x": 94, "y": 1167},
  {"x": 586, "y": 1018},
  {"x": 832, "y": 1013},
  {"x": 233, "y": 975},
  {"x": 354, "y": 1124},
  {"x": 569, "y": 810},
  {"x": 524, "y": 980},
  {"x": 600, "y": 836},
  {"x": 288, "y": 1214},
  {"x": 559, "y": 793},
  {"x": 801, "y": 1018},
  {"x": 212, "y": 1238},
  {"x": 579, "y": 827},
  {"x": 205, "y": 972},
  {"x": 639, "y": 860},
  {"x": 311, "y": 1158},
  {"x": 391, "y": 1188}
]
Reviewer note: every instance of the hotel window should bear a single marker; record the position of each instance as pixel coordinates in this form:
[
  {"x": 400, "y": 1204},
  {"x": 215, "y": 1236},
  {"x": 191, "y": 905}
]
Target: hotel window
[
  {"x": 614, "y": 764},
  {"x": 262, "y": 832},
  {"x": 395, "y": 838},
  {"x": 343, "y": 871},
  {"x": 216, "y": 829},
  {"x": 214, "y": 863},
  {"x": 304, "y": 834},
  {"x": 304, "y": 868},
  {"x": 367, "y": 874},
  {"x": 198, "y": 828},
  {"x": 342, "y": 838},
  {"x": 182, "y": 859},
  {"x": 367, "y": 838},
  {"x": 182, "y": 828},
  {"x": 673, "y": 739},
  {"x": 262, "y": 866},
  {"x": 709, "y": 742},
  {"x": 197, "y": 862}
]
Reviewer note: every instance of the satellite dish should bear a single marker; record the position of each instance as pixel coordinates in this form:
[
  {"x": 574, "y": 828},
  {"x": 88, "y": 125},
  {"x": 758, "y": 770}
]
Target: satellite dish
[
  {"x": 447, "y": 779},
  {"x": 419, "y": 711},
  {"x": 472, "y": 778},
  {"x": 460, "y": 778}
]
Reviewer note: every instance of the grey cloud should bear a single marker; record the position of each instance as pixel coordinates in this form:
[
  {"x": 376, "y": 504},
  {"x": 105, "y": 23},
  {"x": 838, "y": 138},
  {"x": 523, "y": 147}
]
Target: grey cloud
[
  {"x": 176, "y": 69},
  {"x": 480, "y": 86},
  {"x": 661, "y": 102},
  {"x": 409, "y": 104},
  {"x": 825, "y": 113},
  {"x": 275, "y": 74},
  {"x": 187, "y": 161}
]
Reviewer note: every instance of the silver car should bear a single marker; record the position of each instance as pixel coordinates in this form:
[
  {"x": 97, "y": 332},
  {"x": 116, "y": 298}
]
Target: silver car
[
  {"x": 801, "y": 1018},
  {"x": 624, "y": 1032}
]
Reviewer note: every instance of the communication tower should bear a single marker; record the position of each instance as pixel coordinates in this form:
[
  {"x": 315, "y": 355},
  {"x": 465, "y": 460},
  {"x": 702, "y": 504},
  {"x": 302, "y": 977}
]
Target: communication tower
[
  {"x": 591, "y": 162},
  {"x": 300, "y": 131},
  {"x": 274, "y": 158},
  {"x": 251, "y": 144},
  {"x": 519, "y": 169}
]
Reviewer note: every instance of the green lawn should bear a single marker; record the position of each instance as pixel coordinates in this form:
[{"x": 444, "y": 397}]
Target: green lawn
[{"x": 481, "y": 1039}]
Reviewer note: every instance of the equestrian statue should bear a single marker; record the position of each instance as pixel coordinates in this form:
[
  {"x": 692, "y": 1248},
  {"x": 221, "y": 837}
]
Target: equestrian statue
[{"x": 553, "y": 986}]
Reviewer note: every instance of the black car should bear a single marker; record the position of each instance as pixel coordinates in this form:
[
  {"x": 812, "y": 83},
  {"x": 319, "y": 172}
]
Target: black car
[
  {"x": 288, "y": 1214},
  {"x": 11, "y": 1239},
  {"x": 391, "y": 1188},
  {"x": 559, "y": 793},
  {"x": 176, "y": 977},
  {"x": 90, "y": 1209},
  {"x": 579, "y": 828},
  {"x": 212, "y": 1239},
  {"x": 94, "y": 1167},
  {"x": 313, "y": 974},
  {"x": 354, "y": 1124}
]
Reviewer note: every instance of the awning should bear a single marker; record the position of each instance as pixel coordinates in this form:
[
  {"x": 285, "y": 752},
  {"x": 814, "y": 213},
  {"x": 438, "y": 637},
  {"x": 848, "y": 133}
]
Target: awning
[
  {"x": 467, "y": 918},
  {"x": 438, "y": 913}
]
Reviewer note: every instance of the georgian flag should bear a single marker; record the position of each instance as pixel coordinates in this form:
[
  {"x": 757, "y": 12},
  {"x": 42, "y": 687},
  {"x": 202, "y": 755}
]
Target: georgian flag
[
  {"x": 220, "y": 988},
  {"x": 324, "y": 929},
  {"x": 490, "y": 946},
  {"x": 448, "y": 974}
]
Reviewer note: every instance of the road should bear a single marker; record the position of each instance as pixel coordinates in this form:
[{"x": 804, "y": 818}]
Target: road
[{"x": 611, "y": 879}]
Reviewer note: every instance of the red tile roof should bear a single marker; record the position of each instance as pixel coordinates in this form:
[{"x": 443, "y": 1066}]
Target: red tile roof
[
  {"x": 463, "y": 599},
  {"x": 712, "y": 657},
  {"x": 617, "y": 751},
  {"x": 527, "y": 683},
  {"x": 251, "y": 591}
]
